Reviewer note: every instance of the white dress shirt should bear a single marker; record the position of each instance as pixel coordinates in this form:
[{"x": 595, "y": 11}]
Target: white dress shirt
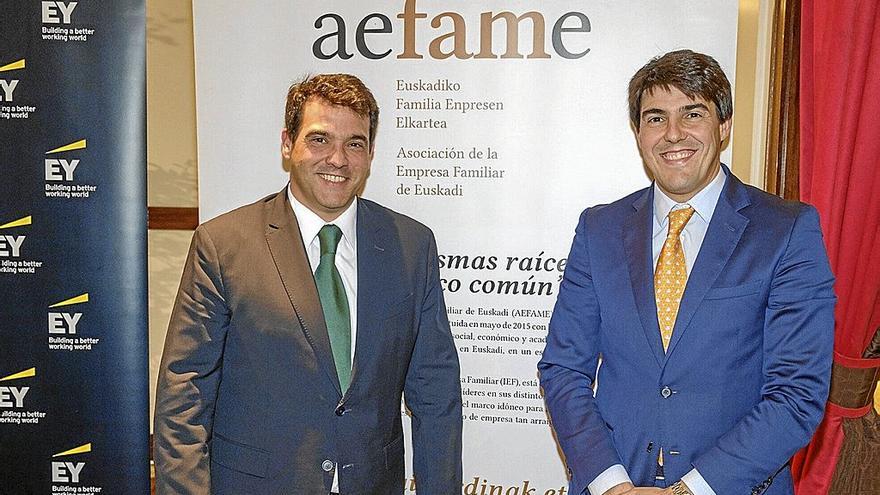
[
  {"x": 346, "y": 260},
  {"x": 692, "y": 236}
]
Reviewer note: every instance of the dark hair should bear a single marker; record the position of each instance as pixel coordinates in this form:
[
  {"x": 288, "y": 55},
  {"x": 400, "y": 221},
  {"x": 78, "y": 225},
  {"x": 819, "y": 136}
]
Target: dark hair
[
  {"x": 694, "y": 74},
  {"x": 338, "y": 89}
]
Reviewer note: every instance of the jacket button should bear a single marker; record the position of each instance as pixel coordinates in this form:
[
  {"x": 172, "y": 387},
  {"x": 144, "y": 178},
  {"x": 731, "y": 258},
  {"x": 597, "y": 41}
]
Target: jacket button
[
  {"x": 340, "y": 410},
  {"x": 327, "y": 465},
  {"x": 666, "y": 392}
]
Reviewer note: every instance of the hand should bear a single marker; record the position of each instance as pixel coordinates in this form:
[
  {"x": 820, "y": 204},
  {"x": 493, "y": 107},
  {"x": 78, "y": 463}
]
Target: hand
[
  {"x": 629, "y": 489},
  {"x": 621, "y": 489}
]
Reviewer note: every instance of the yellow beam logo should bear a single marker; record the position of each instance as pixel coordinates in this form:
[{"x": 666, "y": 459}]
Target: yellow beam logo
[
  {"x": 18, "y": 64},
  {"x": 82, "y": 298},
  {"x": 82, "y": 449},
  {"x": 21, "y": 374},
  {"x": 76, "y": 145},
  {"x": 21, "y": 222}
]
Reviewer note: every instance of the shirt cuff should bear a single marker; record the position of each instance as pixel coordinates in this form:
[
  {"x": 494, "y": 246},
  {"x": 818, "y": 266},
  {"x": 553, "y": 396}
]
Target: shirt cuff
[
  {"x": 610, "y": 478},
  {"x": 696, "y": 483}
]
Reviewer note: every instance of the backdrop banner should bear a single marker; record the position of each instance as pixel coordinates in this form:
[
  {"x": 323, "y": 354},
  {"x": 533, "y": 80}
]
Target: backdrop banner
[
  {"x": 500, "y": 121},
  {"x": 73, "y": 292}
]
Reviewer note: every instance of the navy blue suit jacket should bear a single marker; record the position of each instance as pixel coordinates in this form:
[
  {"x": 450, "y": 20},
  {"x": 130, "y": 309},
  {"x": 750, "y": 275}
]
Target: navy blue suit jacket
[
  {"x": 248, "y": 398},
  {"x": 745, "y": 379}
]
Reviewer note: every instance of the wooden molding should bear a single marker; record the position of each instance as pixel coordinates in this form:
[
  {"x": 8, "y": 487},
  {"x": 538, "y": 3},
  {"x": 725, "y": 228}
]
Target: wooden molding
[
  {"x": 170, "y": 218},
  {"x": 783, "y": 134}
]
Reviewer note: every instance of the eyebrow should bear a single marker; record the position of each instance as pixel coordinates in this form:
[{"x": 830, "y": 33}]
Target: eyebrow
[
  {"x": 318, "y": 132},
  {"x": 653, "y": 111},
  {"x": 686, "y": 108},
  {"x": 694, "y": 106}
]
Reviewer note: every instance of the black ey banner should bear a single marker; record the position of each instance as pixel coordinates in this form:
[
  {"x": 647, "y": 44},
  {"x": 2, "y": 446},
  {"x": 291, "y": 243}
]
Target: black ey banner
[{"x": 73, "y": 292}]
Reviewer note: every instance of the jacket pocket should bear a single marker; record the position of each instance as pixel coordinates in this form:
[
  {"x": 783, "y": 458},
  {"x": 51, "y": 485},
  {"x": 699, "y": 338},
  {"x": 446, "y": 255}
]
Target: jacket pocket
[
  {"x": 239, "y": 457},
  {"x": 393, "y": 453},
  {"x": 737, "y": 291},
  {"x": 399, "y": 307}
]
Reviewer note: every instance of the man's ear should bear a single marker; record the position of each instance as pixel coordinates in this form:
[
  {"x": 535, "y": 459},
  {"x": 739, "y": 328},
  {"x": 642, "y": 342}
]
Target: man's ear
[
  {"x": 286, "y": 144},
  {"x": 724, "y": 128}
]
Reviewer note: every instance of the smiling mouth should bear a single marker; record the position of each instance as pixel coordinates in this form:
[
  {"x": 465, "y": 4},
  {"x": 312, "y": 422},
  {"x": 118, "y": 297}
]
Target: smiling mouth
[
  {"x": 677, "y": 155},
  {"x": 333, "y": 178}
]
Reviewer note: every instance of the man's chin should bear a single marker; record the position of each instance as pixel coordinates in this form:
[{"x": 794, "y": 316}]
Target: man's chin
[
  {"x": 676, "y": 188},
  {"x": 338, "y": 205}
]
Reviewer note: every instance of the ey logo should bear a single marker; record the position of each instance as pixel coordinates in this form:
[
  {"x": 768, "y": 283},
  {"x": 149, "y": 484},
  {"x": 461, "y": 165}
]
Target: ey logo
[
  {"x": 14, "y": 396},
  {"x": 60, "y": 168},
  {"x": 65, "y": 323},
  {"x": 7, "y": 86},
  {"x": 10, "y": 245},
  {"x": 68, "y": 472},
  {"x": 57, "y": 12}
]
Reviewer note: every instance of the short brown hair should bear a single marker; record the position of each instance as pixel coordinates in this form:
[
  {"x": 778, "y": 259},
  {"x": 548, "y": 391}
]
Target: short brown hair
[
  {"x": 338, "y": 89},
  {"x": 694, "y": 74}
]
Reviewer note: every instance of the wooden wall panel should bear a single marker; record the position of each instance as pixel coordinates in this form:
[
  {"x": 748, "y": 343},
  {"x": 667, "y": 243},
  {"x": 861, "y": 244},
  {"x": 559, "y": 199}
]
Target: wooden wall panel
[
  {"x": 783, "y": 136},
  {"x": 169, "y": 218}
]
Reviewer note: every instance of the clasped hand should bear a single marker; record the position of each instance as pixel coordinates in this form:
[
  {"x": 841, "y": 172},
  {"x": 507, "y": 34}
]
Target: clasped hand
[{"x": 629, "y": 489}]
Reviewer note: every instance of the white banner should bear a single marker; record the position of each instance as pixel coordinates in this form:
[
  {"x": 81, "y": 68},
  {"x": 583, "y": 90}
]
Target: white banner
[{"x": 500, "y": 121}]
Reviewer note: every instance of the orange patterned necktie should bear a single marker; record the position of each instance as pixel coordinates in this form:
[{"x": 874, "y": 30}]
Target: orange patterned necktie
[{"x": 670, "y": 277}]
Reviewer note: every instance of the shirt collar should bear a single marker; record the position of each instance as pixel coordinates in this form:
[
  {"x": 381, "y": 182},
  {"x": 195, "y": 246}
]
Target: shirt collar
[
  {"x": 310, "y": 223},
  {"x": 703, "y": 203}
]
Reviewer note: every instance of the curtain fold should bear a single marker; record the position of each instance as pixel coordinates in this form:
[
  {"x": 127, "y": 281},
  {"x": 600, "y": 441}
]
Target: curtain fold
[{"x": 840, "y": 175}]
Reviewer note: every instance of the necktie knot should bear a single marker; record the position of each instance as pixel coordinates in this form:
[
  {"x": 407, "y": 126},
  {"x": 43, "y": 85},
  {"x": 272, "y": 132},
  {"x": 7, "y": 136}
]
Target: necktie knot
[
  {"x": 678, "y": 219},
  {"x": 329, "y": 237}
]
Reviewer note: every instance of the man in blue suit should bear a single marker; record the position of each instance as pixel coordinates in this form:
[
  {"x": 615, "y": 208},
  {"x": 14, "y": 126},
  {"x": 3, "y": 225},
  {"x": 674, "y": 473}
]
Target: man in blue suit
[
  {"x": 300, "y": 321},
  {"x": 709, "y": 303}
]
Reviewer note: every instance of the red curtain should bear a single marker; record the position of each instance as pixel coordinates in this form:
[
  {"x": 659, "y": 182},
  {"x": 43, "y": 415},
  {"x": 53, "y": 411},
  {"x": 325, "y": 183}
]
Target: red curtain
[{"x": 840, "y": 175}]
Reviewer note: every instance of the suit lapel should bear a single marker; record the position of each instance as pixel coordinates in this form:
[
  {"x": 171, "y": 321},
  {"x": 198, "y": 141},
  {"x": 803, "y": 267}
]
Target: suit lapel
[
  {"x": 722, "y": 237},
  {"x": 373, "y": 252},
  {"x": 288, "y": 252},
  {"x": 637, "y": 243}
]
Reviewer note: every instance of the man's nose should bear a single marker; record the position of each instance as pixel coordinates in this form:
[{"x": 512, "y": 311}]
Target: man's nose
[
  {"x": 337, "y": 157},
  {"x": 674, "y": 131}
]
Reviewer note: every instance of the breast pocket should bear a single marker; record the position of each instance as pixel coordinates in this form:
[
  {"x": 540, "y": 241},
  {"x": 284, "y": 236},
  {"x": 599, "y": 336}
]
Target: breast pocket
[
  {"x": 731, "y": 314},
  {"x": 397, "y": 329},
  {"x": 742, "y": 290},
  {"x": 401, "y": 305}
]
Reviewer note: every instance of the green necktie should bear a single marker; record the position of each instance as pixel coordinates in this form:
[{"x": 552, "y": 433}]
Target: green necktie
[{"x": 334, "y": 303}]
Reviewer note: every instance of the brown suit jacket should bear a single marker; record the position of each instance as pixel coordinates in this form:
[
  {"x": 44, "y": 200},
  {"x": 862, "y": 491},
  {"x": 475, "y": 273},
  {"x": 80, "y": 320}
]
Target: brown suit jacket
[{"x": 248, "y": 398}]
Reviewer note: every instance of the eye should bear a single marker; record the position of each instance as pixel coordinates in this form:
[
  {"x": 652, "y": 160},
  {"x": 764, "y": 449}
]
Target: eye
[
  {"x": 653, "y": 119},
  {"x": 359, "y": 145},
  {"x": 694, "y": 115},
  {"x": 318, "y": 139}
]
